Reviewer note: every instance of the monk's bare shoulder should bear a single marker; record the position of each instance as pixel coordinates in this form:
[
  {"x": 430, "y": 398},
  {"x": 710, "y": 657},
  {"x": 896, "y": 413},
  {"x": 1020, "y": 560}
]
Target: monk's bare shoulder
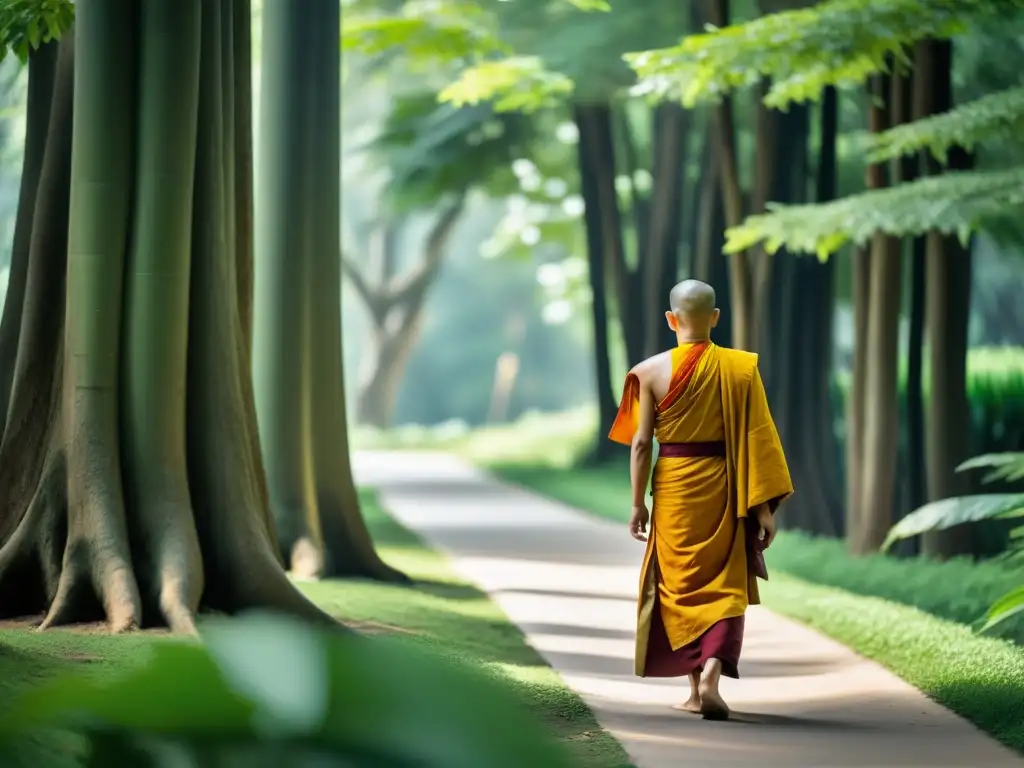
[
  {"x": 651, "y": 371},
  {"x": 739, "y": 362},
  {"x": 645, "y": 369}
]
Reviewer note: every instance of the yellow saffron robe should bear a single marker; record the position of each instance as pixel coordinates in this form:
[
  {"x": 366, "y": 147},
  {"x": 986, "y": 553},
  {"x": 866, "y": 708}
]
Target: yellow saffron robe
[{"x": 695, "y": 567}]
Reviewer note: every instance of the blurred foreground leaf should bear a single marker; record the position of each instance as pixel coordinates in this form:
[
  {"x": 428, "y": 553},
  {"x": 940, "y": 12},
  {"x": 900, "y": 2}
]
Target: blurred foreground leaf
[{"x": 268, "y": 691}]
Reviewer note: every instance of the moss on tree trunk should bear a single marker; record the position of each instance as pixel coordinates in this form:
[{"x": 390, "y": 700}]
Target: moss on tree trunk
[{"x": 130, "y": 487}]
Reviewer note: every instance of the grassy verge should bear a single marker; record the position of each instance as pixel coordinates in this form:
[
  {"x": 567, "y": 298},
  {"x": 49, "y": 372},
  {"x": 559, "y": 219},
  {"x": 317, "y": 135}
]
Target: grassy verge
[
  {"x": 443, "y": 614},
  {"x": 910, "y": 616},
  {"x": 456, "y": 620}
]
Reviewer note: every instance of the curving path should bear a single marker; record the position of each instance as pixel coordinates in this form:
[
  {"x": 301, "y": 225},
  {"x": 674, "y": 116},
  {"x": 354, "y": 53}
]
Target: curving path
[{"x": 569, "y": 581}]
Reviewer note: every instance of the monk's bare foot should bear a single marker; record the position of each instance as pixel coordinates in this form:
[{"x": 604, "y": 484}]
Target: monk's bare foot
[
  {"x": 712, "y": 705},
  {"x": 692, "y": 705}
]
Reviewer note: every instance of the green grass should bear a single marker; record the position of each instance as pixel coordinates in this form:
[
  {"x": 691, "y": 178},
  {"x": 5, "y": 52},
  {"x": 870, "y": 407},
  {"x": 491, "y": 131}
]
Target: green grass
[
  {"x": 911, "y": 616},
  {"x": 454, "y": 619},
  {"x": 442, "y": 614}
]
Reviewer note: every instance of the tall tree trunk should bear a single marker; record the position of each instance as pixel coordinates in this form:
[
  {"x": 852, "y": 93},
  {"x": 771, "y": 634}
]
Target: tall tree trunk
[
  {"x": 947, "y": 312},
  {"x": 879, "y": 450},
  {"x": 658, "y": 258},
  {"x": 740, "y": 278},
  {"x": 282, "y": 363},
  {"x": 303, "y": 423},
  {"x": 99, "y": 518},
  {"x": 913, "y": 107},
  {"x": 600, "y": 164},
  {"x": 798, "y": 317},
  {"x": 157, "y": 288},
  {"x": 348, "y": 548},
  {"x": 42, "y": 71},
  {"x": 708, "y": 237},
  {"x": 597, "y": 261}
]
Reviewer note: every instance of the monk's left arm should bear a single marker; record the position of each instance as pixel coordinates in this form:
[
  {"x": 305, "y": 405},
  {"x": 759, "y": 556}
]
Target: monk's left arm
[{"x": 642, "y": 448}]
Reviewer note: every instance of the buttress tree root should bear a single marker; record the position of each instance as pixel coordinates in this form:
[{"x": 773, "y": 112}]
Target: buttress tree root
[
  {"x": 131, "y": 485},
  {"x": 297, "y": 355}
]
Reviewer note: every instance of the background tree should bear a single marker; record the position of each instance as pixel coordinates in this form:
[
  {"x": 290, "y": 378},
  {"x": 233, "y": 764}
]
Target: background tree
[{"x": 297, "y": 359}]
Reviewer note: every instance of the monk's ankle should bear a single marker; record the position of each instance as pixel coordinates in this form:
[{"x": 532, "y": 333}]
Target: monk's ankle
[{"x": 711, "y": 673}]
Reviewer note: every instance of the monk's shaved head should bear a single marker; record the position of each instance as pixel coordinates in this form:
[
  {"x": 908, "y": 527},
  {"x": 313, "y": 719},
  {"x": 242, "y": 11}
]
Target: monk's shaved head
[{"x": 692, "y": 299}]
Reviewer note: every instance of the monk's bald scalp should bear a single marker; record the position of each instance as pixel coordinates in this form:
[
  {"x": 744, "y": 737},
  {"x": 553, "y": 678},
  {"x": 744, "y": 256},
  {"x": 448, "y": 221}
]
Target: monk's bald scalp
[{"x": 692, "y": 298}]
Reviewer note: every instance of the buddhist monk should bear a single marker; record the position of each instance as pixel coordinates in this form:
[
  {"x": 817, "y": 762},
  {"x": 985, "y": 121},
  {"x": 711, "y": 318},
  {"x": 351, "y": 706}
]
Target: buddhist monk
[{"x": 719, "y": 478}]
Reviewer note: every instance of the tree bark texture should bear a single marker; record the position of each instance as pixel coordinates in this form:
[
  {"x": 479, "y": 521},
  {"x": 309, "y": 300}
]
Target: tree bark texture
[
  {"x": 797, "y": 305},
  {"x": 129, "y": 485},
  {"x": 585, "y": 118},
  {"x": 878, "y": 448},
  {"x": 708, "y": 237},
  {"x": 297, "y": 353},
  {"x": 947, "y": 313},
  {"x": 740, "y": 278}
]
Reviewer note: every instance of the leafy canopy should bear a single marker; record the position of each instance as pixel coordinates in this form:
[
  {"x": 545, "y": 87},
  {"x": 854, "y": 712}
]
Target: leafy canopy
[
  {"x": 27, "y": 24},
  {"x": 953, "y": 203},
  {"x": 433, "y": 149},
  {"x": 839, "y": 43}
]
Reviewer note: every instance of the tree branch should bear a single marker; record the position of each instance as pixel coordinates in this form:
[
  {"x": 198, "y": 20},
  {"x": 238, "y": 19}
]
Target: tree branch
[
  {"x": 410, "y": 287},
  {"x": 376, "y": 303}
]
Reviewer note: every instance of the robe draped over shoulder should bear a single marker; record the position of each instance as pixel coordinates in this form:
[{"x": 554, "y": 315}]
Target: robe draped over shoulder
[{"x": 695, "y": 583}]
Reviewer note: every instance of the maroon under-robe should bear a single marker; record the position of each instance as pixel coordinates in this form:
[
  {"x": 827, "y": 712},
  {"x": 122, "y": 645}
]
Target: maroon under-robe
[{"x": 722, "y": 641}]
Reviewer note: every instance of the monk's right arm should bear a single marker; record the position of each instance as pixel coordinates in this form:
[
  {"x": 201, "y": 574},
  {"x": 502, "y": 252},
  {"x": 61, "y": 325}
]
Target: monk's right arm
[{"x": 642, "y": 449}]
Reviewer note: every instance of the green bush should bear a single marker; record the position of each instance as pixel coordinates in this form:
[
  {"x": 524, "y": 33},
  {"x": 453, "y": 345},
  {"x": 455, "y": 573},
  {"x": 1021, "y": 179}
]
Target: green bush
[
  {"x": 995, "y": 388},
  {"x": 959, "y": 590}
]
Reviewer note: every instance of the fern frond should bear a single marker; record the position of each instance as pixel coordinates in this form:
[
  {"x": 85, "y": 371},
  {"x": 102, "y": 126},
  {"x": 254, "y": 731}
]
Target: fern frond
[
  {"x": 953, "y": 203},
  {"x": 839, "y": 43},
  {"x": 994, "y": 117}
]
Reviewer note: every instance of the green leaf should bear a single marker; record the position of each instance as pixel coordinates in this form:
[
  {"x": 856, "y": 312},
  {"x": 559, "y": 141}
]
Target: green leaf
[
  {"x": 272, "y": 685},
  {"x": 456, "y": 32},
  {"x": 518, "y": 83},
  {"x": 947, "y": 513},
  {"x": 591, "y": 5},
  {"x": 951, "y": 203},
  {"x": 838, "y": 42},
  {"x": 1007, "y": 606},
  {"x": 995, "y": 117},
  {"x": 1007, "y": 466}
]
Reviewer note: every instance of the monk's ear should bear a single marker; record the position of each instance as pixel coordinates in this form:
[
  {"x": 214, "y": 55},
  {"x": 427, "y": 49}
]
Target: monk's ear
[
  {"x": 673, "y": 323},
  {"x": 714, "y": 317}
]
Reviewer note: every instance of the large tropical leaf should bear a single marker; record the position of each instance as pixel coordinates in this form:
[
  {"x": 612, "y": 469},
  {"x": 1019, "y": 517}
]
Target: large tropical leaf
[
  {"x": 1007, "y": 466},
  {"x": 1005, "y": 607},
  {"x": 947, "y": 513}
]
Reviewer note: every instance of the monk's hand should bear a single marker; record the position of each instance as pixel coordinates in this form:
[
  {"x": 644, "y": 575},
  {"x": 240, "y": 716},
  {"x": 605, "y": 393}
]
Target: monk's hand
[
  {"x": 766, "y": 520},
  {"x": 638, "y": 523}
]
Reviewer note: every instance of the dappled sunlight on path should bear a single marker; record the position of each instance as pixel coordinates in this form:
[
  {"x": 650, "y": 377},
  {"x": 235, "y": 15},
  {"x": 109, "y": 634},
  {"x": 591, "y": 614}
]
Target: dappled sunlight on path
[{"x": 570, "y": 580}]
